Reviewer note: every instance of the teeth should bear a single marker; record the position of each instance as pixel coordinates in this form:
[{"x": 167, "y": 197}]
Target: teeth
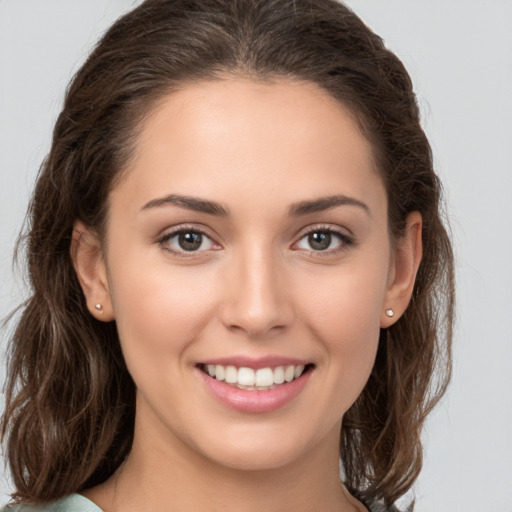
[
  {"x": 246, "y": 377},
  {"x": 220, "y": 372},
  {"x": 264, "y": 377},
  {"x": 279, "y": 375},
  {"x": 260, "y": 379},
  {"x": 289, "y": 373},
  {"x": 231, "y": 375}
]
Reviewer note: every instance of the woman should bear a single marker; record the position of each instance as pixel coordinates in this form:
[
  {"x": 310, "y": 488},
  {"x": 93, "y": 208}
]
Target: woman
[{"x": 240, "y": 276}]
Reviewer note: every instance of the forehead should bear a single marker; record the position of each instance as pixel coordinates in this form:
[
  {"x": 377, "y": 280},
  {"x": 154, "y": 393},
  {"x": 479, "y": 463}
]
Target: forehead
[{"x": 241, "y": 136}]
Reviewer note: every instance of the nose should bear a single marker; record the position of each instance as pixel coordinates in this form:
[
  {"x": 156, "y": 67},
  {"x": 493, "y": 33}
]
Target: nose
[{"x": 257, "y": 299}]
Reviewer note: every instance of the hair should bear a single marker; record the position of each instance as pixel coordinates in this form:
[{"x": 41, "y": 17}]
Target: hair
[{"x": 70, "y": 401}]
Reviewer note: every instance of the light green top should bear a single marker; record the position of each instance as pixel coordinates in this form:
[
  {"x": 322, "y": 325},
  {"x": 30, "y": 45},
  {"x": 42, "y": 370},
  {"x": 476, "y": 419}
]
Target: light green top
[{"x": 71, "y": 503}]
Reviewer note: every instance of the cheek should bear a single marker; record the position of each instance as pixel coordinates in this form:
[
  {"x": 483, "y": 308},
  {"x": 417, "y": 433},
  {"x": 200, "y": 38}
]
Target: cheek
[
  {"x": 347, "y": 302},
  {"x": 343, "y": 311},
  {"x": 160, "y": 307}
]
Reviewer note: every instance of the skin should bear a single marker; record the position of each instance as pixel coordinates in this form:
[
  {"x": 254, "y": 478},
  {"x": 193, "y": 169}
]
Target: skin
[{"x": 256, "y": 287}]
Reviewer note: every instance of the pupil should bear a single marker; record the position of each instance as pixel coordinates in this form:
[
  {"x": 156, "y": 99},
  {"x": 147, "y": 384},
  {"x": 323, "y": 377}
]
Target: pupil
[
  {"x": 190, "y": 241},
  {"x": 319, "y": 241}
]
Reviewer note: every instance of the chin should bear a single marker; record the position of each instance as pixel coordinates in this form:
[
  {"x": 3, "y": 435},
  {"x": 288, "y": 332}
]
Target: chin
[
  {"x": 260, "y": 460},
  {"x": 260, "y": 450}
]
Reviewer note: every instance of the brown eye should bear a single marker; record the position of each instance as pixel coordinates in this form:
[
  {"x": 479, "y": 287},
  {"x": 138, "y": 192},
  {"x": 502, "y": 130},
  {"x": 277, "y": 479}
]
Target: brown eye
[
  {"x": 320, "y": 240},
  {"x": 190, "y": 241},
  {"x": 187, "y": 241},
  {"x": 327, "y": 240}
]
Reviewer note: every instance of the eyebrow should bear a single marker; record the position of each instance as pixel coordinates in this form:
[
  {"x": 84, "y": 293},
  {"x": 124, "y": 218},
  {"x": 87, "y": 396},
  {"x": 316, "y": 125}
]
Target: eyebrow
[
  {"x": 326, "y": 203},
  {"x": 296, "y": 210},
  {"x": 189, "y": 203}
]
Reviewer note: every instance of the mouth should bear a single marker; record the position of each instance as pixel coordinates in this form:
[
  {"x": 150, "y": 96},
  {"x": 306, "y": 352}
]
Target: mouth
[{"x": 252, "y": 379}]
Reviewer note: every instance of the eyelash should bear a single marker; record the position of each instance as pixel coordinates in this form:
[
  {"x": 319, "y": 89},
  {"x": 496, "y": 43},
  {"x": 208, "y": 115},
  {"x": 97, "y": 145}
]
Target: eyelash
[
  {"x": 164, "y": 240},
  {"x": 345, "y": 240}
]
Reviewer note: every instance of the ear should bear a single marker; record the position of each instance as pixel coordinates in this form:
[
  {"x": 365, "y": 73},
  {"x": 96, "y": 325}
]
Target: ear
[
  {"x": 403, "y": 270},
  {"x": 87, "y": 258}
]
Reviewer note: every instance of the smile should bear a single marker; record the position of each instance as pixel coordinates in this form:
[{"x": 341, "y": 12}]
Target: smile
[
  {"x": 255, "y": 386},
  {"x": 261, "y": 379}
]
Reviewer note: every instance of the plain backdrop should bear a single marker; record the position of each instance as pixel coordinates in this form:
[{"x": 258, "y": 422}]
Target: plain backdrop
[{"x": 459, "y": 53}]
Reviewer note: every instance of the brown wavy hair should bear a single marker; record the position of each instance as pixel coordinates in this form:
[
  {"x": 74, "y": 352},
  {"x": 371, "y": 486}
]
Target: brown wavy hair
[{"x": 70, "y": 402}]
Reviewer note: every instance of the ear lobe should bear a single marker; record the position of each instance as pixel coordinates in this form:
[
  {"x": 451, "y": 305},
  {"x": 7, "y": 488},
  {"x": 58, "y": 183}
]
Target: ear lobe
[
  {"x": 405, "y": 266},
  {"x": 87, "y": 258}
]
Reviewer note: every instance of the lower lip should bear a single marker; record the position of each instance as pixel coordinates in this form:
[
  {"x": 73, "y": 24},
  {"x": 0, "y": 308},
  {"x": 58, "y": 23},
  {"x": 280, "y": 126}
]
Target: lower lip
[{"x": 254, "y": 401}]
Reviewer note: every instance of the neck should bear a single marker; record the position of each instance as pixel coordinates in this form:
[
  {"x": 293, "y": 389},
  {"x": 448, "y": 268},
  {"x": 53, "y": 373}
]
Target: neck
[{"x": 169, "y": 472}]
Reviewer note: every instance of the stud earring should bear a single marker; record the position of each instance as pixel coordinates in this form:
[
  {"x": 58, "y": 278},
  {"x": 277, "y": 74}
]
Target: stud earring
[
  {"x": 99, "y": 307},
  {"x": 390, "y": 313}
]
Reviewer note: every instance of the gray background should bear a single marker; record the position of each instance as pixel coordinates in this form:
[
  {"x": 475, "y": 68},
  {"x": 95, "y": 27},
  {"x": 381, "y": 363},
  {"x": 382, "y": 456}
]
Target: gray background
[{"x": 459, "y": 53}]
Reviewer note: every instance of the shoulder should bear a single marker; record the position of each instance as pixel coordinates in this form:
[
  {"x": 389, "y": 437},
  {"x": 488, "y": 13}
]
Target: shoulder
[{"x": 72, "y": 503}]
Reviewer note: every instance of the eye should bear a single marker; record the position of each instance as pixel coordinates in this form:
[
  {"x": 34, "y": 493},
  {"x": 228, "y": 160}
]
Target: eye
[
  {"x": 186, "y": 240},
  {"x": 324, "y": 239}
]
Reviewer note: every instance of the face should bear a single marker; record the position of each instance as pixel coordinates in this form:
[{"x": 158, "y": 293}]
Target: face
[{"x": 248, "y": 265}]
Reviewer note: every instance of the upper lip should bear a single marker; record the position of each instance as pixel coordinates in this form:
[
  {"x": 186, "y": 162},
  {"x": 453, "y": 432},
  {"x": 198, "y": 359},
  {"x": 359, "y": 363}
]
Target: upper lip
[{"x": 256, "y": 363}]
